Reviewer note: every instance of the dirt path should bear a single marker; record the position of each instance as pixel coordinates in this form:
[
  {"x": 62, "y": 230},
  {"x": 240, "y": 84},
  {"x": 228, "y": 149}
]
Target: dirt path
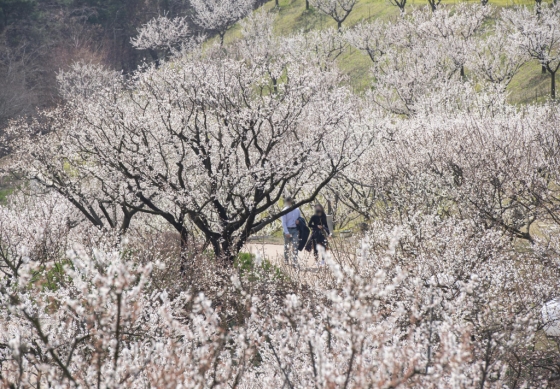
[{"x": 275, "y": 254}]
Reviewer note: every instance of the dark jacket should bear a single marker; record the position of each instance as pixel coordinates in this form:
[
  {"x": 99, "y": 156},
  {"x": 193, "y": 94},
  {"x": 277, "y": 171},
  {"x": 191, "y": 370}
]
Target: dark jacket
[
  {"x": 303, "y": 233},
  {"x": 317, "y": 221},
  {"x": 318, "y": 236}
]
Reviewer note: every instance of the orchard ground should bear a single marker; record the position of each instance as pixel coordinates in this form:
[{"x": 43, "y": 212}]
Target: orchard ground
[{"x": 275, "y": 254}]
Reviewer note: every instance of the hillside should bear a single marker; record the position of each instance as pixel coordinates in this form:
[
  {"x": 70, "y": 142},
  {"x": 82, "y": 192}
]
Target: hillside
[
  {"x": 529, "y": 84},
  {"x": 40, "y": 37}
]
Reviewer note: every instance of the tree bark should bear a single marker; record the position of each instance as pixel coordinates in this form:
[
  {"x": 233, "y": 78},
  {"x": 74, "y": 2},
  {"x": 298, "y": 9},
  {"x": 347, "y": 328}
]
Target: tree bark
[
  {"x": 307, "y": 5},
  {"x": 553, "y": 85},
  {"x": 184, "y": 258},
  {"x": 224, "y": 249},
  {"x": 433, "y": 4},
  {"x": 228, "y": 256},
  {"x": 155, "y": 57}
]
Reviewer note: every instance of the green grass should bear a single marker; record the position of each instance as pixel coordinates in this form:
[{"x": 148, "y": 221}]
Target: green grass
[
  {"x": 246, "y": 265},
  {"x": 52, "y": 277},
  {"x": 356, "y": 65},
  {"x": 529, "y": 84},
  {"x": 4, "y": 193},
  {"x": 293, "y": 17}
]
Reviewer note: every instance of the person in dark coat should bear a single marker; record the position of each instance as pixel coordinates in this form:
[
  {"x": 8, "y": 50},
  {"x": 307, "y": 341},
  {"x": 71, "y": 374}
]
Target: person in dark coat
[
  {"x": 319, "y": 229},
  {"x": 303, "y": 233}
]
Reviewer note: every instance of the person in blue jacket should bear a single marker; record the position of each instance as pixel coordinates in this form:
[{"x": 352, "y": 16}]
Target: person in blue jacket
[{"x": 291, "y": 233}]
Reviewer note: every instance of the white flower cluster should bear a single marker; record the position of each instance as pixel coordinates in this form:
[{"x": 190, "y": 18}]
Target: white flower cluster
[{"x": 162, "y": 33}]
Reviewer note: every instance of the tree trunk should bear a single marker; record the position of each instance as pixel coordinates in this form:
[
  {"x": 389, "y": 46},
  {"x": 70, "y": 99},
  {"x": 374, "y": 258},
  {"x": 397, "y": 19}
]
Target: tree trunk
[
  {"x": 155, "y": 57},
  {"x": 224, "y": 249},
  {"x": 462, "y": 72},
  {"x": 277, "y": 3},
  {"x": 228, "y": 252},
  {"x": 553, "y": 85},
  {"x": 184, "y": 250},
  {"x": 543, "y": 69},
  {"x": 339, "y": 24},
  {"x": 432, "y": 5},
  {"x": 307, "y": 5},
  {"x": 215, "y": 242}
]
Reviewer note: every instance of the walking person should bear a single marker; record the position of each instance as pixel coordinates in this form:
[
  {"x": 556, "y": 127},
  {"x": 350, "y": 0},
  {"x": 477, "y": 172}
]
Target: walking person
[
  {"x": 291, "y": 232},
  {"x": 319, "y": 231}
]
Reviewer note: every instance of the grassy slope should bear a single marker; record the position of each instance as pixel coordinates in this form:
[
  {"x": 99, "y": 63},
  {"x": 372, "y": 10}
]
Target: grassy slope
[
  {"x": 293, "y": 17},
  {"x": 529, "y": 84},
  {"x": 4, "y": 193}
]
